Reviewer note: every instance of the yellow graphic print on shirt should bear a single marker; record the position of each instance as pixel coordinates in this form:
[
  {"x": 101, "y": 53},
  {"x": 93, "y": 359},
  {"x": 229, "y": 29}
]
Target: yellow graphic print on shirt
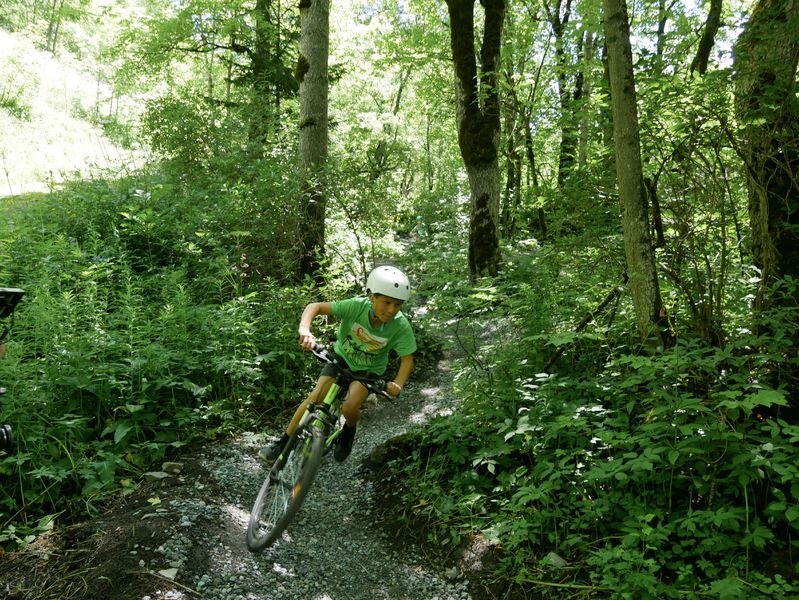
[{"x": 362, "y": 344}]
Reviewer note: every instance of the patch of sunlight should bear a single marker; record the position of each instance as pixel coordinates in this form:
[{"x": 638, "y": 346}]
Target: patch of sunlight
[
  {"x": 50, "y": 139},
  {"x": 237, "y": 515},
  {"x": 430, "y": 392},
  {"x": 427, "y": 412},
  {"x": 281, "y": 570}
]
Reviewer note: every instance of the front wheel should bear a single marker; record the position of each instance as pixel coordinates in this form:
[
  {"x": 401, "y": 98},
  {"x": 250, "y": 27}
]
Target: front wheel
[{"x": 285, "y": 487}]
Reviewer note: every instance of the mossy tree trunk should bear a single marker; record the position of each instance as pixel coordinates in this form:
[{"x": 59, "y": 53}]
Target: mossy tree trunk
[
  {"x": 638, "y": 248},
  {"x": 312, "y": 76},
  {"x": 478, "y": 121},
  {"x": 766, "y": 58}
]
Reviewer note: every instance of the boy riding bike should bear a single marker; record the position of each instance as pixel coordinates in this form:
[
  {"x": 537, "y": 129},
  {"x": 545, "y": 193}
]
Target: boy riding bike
[{"x": 369, "y": 329}]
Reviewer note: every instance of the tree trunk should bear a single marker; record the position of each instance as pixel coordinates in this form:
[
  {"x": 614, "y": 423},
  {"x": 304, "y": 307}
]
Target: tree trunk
[
  {"x": 270, "y": 78},
  {"x": 513, "y": 159},
  {"x": 53, "y": 25},
  {"x": 660, "y": 44},
  {"x": 261, "y": 54},
  {"x": 569, "y": 133},
  {"x": 477, "y": 97},
  {"x": 313, "y": 80},
  {"x": 606, "y": 114},
  {"x": 585, "y": 120},
  {"x": 708, "y": 40},
  {"x": 766, "y": 58},
  {"x": 259, "y": 67},
  {"x": 428, "y": 152},
  {"x": 638, "y": 248}
]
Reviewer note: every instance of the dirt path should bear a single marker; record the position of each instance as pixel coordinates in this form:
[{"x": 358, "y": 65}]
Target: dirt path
[{"x": 183, "y": 536}]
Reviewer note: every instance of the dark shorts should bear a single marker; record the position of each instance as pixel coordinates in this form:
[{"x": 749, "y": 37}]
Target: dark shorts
[{"x": 331, "y": 371}]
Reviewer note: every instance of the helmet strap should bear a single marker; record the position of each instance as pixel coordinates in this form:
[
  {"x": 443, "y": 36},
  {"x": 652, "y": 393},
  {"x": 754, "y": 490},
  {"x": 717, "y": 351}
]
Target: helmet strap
[{"x": 373, "y": 315}]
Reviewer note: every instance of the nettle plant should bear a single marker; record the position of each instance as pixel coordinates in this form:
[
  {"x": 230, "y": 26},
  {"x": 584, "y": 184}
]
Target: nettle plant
[{"x": 116, "y": 359}]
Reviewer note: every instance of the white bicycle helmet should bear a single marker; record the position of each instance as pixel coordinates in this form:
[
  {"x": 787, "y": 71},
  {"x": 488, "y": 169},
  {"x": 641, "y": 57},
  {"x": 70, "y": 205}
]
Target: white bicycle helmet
[{"x": 389, "y": 281}]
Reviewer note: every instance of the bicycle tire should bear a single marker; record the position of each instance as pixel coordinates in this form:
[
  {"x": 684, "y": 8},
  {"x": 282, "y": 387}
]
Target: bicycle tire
[{"x": 285, "y": 487}]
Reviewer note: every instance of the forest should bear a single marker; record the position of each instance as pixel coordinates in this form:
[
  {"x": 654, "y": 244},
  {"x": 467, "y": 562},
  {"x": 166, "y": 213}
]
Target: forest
[{"x": 597, "y": 200}]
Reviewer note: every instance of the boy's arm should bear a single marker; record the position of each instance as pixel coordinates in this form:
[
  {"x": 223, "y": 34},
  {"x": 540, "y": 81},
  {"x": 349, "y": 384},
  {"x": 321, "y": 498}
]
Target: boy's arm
[
  {"x": 307, "y": 339},
  {"x": 403, "y": 373}
]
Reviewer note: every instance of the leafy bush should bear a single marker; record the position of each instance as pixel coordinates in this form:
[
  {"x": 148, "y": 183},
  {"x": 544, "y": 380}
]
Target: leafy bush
[
  {"x": 15, "y": 108},
  {"x": 18, "y": 83},
  {"x": 130, "y": 342},
  {"x": 644, "y": 476}
]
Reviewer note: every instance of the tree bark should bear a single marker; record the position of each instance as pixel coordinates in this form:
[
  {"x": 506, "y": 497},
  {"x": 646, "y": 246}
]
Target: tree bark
[
  {"x": 569, "y": 132},
  {"x": 478, "y": 121},
  {"x": 259, "y": 65},
  {"x": 660, "y": 44},
  {"x": 53, "y": 25},
  {"x": 513, "y": 159},
  {"x": 312, "y": 76},
  {"x": 639, "y": 253},
  {"x": 766, "y": 59},
  {"x": 585, "y": 121},
  {"x": 708, "y": 39}
]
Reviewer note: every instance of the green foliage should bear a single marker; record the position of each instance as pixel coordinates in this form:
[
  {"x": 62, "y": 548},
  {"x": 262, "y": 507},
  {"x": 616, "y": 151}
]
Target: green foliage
[
  {"x": 161, "y": 307},
  {"x": 136, "y": 336},
  {"x": 182, "y": 131},
  {"x": 15, "y": 109},
  {"x": 16, "y": 89},
  {"x": 651, "y": 476}
]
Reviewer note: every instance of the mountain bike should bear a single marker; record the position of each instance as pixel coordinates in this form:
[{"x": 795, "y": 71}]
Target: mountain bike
[{"x": 293, "y": 472}]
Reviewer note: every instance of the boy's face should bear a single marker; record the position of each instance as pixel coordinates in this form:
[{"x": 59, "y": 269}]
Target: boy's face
[{"x": 385, "y": 307}]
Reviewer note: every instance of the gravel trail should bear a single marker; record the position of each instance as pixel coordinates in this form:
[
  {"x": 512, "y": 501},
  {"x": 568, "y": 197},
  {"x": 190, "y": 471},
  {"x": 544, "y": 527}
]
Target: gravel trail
[
  {"x": 332, "y": 551},
  {"x": 181, "y": 534}
]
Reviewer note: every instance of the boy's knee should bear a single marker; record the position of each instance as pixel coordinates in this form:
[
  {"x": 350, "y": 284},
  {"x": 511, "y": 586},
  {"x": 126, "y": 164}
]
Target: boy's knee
[
  {"x": 351, "y": 408},
  {"x": 320, "y": 390},
  {"x": 351, "y": 413}
]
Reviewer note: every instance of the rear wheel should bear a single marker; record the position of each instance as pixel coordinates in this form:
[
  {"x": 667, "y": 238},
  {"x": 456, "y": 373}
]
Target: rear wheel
[{"x": 285, "y": 487}]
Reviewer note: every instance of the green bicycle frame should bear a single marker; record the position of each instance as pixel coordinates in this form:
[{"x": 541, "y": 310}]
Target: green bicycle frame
[{"x": 332, "y": 402}]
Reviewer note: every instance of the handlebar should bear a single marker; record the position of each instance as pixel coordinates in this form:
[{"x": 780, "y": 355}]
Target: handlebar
[{"x": 373, "y": 384}]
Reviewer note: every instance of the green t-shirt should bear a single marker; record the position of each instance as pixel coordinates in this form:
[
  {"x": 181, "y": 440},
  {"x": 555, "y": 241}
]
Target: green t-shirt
[{"x": 364, "y": 347}]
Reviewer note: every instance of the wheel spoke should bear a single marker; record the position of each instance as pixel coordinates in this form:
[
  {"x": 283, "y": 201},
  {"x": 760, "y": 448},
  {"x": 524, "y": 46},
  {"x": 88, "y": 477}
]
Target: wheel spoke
[{"x": 284, "y": 489}]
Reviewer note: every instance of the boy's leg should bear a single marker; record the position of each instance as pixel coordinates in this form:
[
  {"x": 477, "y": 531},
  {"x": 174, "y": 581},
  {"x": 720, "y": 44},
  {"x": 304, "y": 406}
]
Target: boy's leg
[
  {"x": 351, "y": 409},
  {"x": 317, "y": 395},
  {"x": 273, "y": 450}
]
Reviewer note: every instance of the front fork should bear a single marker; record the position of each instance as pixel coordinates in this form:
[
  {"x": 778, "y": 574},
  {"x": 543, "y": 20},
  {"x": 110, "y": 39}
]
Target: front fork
[{"x": 328, "y": 420}]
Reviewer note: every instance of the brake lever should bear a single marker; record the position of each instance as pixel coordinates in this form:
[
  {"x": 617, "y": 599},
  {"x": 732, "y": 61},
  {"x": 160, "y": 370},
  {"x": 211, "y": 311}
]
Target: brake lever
[
  {"x": 381, "y": 390},
  {"x": 320, "y": 352}
]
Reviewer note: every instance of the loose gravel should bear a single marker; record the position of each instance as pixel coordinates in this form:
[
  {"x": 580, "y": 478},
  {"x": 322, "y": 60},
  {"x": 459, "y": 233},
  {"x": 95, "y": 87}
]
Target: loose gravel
[{"x": 332, "y": 551}]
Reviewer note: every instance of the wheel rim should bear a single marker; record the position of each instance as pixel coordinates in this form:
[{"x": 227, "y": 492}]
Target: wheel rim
[{"x": 284, "y": 488}]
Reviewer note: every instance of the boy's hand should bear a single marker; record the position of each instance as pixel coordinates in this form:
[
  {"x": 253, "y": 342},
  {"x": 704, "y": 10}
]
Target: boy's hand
[
  {"x": 393, "y": 388},
  {"x": 307, "y": 339}
]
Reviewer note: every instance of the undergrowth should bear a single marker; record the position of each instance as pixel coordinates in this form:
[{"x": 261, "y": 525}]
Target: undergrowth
[
  {"x": 612, "y": 470},
  {"x": 160, "y": 310},
  {"x": 146, "y": 325}
]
